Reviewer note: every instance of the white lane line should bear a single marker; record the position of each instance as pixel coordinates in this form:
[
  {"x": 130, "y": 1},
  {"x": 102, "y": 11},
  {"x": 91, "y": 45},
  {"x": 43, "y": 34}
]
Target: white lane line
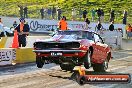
[
  {"x": 122, "y": 58},
  {"x": 69, "y": 85},
  {"x": 111, "y": 69},
  {"x": 22, "y": 84}
]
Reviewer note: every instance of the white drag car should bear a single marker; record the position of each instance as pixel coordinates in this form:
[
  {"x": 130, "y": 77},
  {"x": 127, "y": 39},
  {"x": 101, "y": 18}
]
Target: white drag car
[{"x": 7, "y": 31}]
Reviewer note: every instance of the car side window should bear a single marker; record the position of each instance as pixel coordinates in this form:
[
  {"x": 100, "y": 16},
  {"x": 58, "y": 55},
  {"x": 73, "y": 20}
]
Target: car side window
[
  {"x": 97, "y": 38},
  {"x": 87, "y": 35}
]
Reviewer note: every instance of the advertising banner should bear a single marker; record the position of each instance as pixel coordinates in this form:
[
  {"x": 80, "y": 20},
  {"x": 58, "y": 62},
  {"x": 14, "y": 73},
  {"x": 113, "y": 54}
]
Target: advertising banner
[
  {"x": 51, "y": 25},
  {"x": 6, "y": 56}
]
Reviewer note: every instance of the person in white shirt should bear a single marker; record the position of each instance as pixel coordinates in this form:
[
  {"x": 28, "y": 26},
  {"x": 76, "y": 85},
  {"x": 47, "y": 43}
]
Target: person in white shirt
[
  {"x": 2, "y": 31},
  {"x": 73, "y": 14}
]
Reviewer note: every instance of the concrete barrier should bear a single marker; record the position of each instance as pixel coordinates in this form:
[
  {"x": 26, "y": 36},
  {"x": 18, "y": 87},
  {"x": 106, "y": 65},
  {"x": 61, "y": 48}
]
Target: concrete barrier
[
  {"x": 113, "y": 39},
  {"x": 7, "y": 55},
  {"x": 21, "y": 55},
  {"x": 24, "y": 55},
  {"x": 3, "y": 41}
]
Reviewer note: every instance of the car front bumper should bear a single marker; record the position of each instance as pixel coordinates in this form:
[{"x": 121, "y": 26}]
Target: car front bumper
[{"x": 60, "y": 53}]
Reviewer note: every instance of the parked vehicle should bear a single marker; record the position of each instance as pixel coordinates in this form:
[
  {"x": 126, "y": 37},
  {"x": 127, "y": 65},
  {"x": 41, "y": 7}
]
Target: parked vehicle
[{"x": 8, "y": 32}]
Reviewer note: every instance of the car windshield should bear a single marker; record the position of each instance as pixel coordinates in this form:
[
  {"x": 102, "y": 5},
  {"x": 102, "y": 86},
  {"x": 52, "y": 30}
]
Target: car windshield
[{"x": 79, "y": 34}]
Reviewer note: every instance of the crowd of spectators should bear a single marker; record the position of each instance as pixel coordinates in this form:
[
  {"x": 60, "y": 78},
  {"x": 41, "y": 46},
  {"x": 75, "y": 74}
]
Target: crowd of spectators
[
  {"x": 56, "y": 13},
  {"x": 97, "y": 15}
]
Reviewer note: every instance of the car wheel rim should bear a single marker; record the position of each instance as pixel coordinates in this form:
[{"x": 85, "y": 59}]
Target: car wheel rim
[
  {"x": 106, "y": 65},
  {"x": 89, "y": 61}
]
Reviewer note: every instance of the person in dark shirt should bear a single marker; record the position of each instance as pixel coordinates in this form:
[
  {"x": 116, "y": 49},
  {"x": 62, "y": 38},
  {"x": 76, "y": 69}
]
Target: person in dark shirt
[
  {"x": 59, "y": 12},
  {"x": 87, "y": 24},
  {"x": 125, "y": 17},
  {"x": 99, "y": 26},
  {"x": 25, "y": 12},
  {"x": 112, "y": 15},
  {"x": 23, "y": 30},
  {"x": 21, "y": 10},
  {"x": 87, "y": 21},
  {"x": 98, "y": 13},
  {"x": 85, "y": 14},
  {"x": 102, "y": 15},
  {"x": 42, "y": 13},
  {"x": 15, "y": 24},
  {"x": 53, "y": 12},
  {"x": 111, "y": 27}
]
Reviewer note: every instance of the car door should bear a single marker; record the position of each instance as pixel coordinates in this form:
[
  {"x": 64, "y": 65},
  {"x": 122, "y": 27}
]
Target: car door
[{"x": 99, "y": 48}]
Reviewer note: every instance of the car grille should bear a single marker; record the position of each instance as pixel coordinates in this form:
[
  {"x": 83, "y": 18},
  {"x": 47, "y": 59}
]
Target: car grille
[{"x": 67, "y": 45}]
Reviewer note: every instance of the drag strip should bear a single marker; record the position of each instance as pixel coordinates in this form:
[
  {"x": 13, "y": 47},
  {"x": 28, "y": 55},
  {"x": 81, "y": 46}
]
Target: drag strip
[{"x": 51, "y": 76}]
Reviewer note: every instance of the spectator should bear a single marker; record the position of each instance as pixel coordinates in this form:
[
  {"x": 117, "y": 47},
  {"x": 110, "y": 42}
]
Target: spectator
[
  {"x": 87, "y": 23},
  {"x": 53, "y": 12},
  {"x": 125, "y": 17},
  {"x": 59, "y": 13},
  {"x": 102, "y": 15},
  {"x": 99, "y": 14},
  {"x": 111, "y": 27},
  {"x": 2, "y": 31},
  {"x": 63, "y": 24},
  {"x": 99, "y": 27},
  {"x": 85, "y": 14},
  {"x": 23, "y": 31},
  {"x": 73, "y": 14},
  {"x": 80, "y": 14},
  {"x": 93, "y": 14},
  {"x": 25, "y": 12},
  {"x": 42, "y": 13},
  {"x": 49, "y": 13},
  {"x": 112, "y": 15},
  {"x": 15, "y": 24},
  {"x": 129, "y": 31},
  {"x": 21, "y": 10},
  {"x": 45, "y": 13},
  {"x": 0, "y": 20}
]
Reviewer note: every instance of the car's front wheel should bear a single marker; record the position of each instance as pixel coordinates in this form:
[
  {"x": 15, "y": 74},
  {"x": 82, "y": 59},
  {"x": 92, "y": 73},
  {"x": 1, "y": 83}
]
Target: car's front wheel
[
  {"x": 87, "y": 60},
  {"x": 39, "y": 62}
]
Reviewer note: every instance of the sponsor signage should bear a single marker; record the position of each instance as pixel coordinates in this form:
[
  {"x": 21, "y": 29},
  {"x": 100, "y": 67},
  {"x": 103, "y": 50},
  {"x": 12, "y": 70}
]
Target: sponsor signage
[
  {"x": 51, "y": 25},
  {"x": 41, "y": 27},
  {"x": 6, "y": 56},
  {"x": 104, "y": 78}
]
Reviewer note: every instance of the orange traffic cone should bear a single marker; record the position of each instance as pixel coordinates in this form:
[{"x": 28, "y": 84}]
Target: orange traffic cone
[{"x": 15, "y": 43}]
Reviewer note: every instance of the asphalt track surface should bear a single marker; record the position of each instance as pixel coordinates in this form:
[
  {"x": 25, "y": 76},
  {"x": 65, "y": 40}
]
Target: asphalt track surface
[{"x": 51, "y": 76}]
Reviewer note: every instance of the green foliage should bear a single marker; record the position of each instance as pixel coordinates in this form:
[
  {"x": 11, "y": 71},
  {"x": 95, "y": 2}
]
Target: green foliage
[{"x": 10, "y": 7}]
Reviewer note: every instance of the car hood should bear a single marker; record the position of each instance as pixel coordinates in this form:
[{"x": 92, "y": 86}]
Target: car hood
[
  {"x": 60, "y": 38},
  {"x": 57, "y": 40}
]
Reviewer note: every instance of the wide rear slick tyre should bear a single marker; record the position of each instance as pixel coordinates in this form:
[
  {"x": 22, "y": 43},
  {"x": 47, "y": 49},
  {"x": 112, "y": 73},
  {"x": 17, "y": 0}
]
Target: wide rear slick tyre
[
  {"x": 67, "y": 67},
  {"x": 39, "y": 62}
]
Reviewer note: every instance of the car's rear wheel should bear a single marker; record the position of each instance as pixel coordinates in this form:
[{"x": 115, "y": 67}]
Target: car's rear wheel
[
  {"x": 67, "y": 66},
  {"x": 87, "y": 60},
  {"x": 101, "y": 67},
  {"x": 39, "y": 62},
  {"x": 2, "y": 34}
]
